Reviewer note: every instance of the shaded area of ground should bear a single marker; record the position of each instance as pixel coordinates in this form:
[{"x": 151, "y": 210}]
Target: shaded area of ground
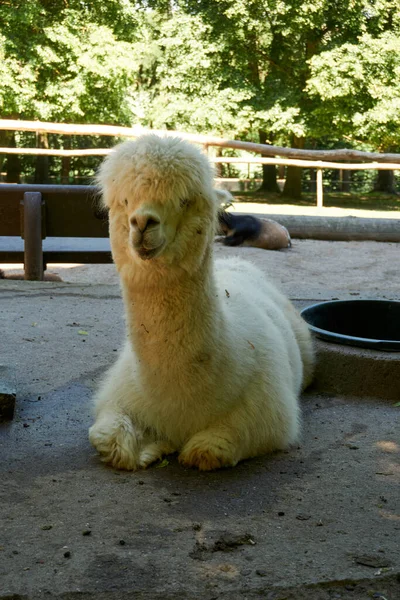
[{"x": 320, "y": 521}]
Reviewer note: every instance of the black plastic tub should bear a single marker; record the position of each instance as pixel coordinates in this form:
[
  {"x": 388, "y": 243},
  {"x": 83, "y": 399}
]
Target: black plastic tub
[{"x": 366, "y": 323}]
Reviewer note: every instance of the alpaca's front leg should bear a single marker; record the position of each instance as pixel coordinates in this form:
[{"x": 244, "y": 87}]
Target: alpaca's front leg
[
  {"x": 124, "y": 446},
  {"x": 117, "y": 440},
  {"x": 211, "y": 449},
  {"x": 121, "y": 441}
]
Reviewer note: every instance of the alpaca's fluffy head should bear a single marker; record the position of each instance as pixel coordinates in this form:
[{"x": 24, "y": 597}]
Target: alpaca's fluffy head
[{"x": 159, "y": 191}]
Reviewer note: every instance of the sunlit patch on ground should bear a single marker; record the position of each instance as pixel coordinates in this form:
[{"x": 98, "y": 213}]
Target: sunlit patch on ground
[
  {"x": 387, "y": 446},
  {"x": 54, "y": 272},
  {"x": 19, "y": 267}
]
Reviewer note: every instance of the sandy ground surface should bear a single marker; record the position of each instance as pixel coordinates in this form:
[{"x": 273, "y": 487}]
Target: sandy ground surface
[
  {"x": 308, "y": 265},
  {"x": 318, "y": 522},
  {"x": 333, "y": 211}
]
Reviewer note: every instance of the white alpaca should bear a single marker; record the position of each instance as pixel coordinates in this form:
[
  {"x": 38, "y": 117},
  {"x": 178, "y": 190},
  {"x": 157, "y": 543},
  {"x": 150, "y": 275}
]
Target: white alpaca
[{"x": 216, "y": 356}]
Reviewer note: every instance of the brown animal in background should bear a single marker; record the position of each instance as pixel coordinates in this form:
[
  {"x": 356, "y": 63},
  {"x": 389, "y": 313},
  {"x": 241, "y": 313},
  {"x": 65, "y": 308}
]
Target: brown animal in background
[{"x": 246, "y": 230}]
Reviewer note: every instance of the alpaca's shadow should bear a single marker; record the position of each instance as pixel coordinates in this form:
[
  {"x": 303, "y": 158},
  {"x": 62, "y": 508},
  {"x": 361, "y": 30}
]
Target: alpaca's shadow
[
  {"x": 55, "y": 449},
  {"x": 253, "y": 486}
]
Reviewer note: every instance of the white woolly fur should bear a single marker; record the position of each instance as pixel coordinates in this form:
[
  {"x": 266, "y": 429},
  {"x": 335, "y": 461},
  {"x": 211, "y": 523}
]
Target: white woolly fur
[{"x": 215, "y": 356}]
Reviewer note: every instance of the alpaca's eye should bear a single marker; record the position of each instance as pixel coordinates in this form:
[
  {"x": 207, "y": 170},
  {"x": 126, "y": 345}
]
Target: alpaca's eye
[
  {"x": 184, "y": 202},
  {"x": 126, "y": 202}
]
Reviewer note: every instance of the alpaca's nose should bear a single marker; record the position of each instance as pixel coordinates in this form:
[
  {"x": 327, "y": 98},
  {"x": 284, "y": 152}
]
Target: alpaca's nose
[{"x": 143, "y": 221}]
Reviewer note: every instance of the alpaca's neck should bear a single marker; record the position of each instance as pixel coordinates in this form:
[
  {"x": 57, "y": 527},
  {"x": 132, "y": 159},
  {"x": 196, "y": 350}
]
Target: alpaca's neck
[{"x": 172, "y": 319}]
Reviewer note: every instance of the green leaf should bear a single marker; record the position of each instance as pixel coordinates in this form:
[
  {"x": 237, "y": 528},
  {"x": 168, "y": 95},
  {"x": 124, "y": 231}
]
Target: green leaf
[{"x": 162, "y": 464}]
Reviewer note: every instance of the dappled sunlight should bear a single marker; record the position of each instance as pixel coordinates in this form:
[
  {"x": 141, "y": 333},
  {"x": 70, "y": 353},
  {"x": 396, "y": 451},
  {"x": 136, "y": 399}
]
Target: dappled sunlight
[
  {"x": 53, "y": 273},
  {"x": 65, "y": 273},
  {"x": 64, "y": 265},
  {"x": 20, "y": 267},
  {"x": 388, "y": 465},
  {"x": 299, "y": 209},
  {"x": 225, "y": 570},
  {"x": 388, "y": 446},
  {"x": 389, "y": 469},
  {"x": 390, "y": 516}
]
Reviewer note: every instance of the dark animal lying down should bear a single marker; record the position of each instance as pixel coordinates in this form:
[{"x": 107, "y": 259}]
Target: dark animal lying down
[{"x": 247, "y": 230}]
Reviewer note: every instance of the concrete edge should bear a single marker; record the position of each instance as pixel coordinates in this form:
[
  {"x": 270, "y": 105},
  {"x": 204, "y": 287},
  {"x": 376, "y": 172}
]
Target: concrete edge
[{"x": 357, "y": 372}]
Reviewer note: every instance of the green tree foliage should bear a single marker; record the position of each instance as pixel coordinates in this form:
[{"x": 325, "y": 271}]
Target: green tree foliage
[
  {"x": 61, "y": 61},
  {"x": 267, "y": 46},
  {"x": 192, "y": 91},
  {"x": 357, "y": 88},
  {"x": 284, "y": 71},
  {"x": 211, "y": 65}
]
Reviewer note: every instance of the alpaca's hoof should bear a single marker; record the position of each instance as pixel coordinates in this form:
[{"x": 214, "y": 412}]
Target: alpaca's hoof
[
  {"x": 208, "y": 453},
  {"x": 114, "y": 438}
]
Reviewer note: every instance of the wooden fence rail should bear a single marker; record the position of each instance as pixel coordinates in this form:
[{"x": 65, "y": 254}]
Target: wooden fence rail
[
  {"x": 206, "y": 140},
  {"x": 56, "y": 151},
  {"x": 306, "y": 164},
  {"x": 273, "y": 155}
]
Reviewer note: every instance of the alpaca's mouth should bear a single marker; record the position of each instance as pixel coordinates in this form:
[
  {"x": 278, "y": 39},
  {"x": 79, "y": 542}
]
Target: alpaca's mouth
[{"x": 147, "y": 253}]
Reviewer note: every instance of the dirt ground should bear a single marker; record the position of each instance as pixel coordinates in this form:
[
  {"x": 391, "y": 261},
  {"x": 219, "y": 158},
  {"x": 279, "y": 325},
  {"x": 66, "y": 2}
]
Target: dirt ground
[
  {"x": 318, "y": 522},
  {"x": 309, "y": 265}
]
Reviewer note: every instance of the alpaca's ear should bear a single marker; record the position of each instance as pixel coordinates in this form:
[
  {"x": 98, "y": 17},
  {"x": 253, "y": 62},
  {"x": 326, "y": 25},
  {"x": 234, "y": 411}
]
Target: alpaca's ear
[
  {"x": 108, "y": 197},
  {"x": 224, "y": 198},
  {"x": 105, "y": 181},
  {"x": 100, "y": 208}
]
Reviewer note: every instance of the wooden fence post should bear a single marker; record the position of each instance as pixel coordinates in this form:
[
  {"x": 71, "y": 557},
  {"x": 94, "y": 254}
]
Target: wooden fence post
[{"x": 33, "y": 249}]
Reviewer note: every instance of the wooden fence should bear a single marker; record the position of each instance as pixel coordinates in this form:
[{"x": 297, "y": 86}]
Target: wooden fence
[{"x": 273, "y": 155}]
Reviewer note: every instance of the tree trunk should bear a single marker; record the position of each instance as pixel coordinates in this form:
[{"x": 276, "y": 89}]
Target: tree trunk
[
  {"x": 218, "y": 166},
  {"x": 345, "y": 180},
  {"x": 385, "y": 182},
  {"x": 269, "y": 182},
  {"x": 4, "y": 137},
  {"x": 292, "y": 187},
  {"x": 66, "y": 161},
  {"x": 13, "y": 162},
  {"x": 42, "y": 162},
  {"x": 313, "y": 181}
]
